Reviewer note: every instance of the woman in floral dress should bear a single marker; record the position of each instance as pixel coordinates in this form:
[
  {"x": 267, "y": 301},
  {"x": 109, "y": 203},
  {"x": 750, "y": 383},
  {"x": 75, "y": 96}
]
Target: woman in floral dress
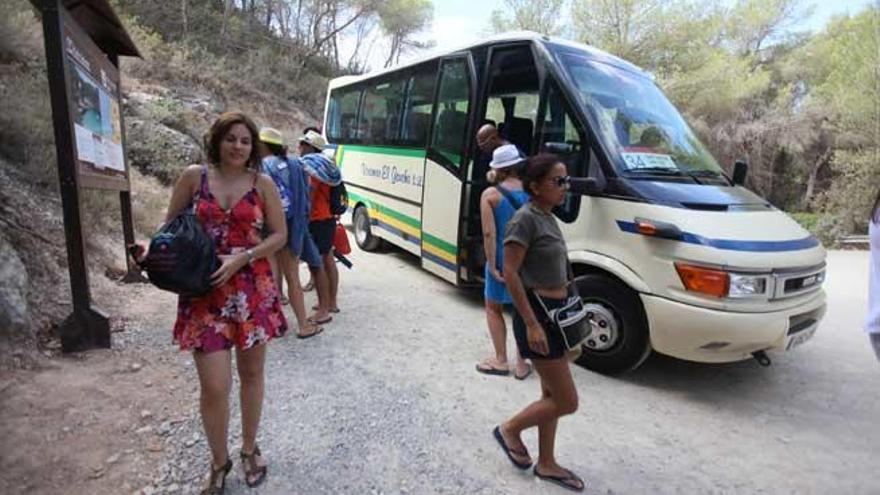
[{"x": 232, "y": 200}]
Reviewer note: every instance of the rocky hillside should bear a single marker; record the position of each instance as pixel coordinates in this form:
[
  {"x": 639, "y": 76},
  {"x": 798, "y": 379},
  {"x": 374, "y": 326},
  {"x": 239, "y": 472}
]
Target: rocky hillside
[{"x": 166, "y": 113}]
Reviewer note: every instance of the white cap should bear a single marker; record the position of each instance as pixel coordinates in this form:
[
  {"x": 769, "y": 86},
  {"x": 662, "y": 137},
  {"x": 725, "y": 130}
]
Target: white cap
[{"x": 504, "y": 156}]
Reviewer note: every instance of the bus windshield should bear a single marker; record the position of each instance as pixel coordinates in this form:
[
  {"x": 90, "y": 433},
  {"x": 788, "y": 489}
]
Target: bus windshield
[{"x": 641, "y": 128}]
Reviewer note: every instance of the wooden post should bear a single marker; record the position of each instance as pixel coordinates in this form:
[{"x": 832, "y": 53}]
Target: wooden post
[{"x": 86, "y": 327}]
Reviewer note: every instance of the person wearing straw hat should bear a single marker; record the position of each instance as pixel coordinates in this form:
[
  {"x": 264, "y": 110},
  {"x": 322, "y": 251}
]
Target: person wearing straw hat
[
  {"x": 497, "y": 206},
  {"x": 293, "y": 186}
]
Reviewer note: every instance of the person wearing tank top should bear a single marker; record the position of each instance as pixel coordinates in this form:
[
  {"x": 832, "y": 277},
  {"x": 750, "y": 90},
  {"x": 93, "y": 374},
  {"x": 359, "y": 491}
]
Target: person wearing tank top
[
  {"x": 497, "y": 206},
  {"x": 872, "y": 321}
]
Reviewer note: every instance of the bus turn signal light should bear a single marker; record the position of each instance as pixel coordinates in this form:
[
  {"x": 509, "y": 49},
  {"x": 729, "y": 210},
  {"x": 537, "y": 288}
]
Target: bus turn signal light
[{"x": 707, "y": 281}]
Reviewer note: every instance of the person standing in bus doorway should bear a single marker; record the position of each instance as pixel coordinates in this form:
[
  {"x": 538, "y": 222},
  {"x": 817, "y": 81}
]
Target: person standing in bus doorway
[
  {"x": 293, "y": 185},
  {"x": 322, "y": 224},
  {"x": 536, "y": 259},
  {"x": 498, "y": 205},
  {"x": 872, "y": 323}
]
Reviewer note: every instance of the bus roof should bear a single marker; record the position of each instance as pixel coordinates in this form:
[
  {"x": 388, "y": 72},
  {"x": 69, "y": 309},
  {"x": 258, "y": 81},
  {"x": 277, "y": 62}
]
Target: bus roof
[{"x": 592, "y": 52}]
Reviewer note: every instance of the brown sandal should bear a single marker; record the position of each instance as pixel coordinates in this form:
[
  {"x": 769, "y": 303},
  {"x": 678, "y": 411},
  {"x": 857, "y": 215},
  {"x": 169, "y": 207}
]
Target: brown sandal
[
  {"x": 251, "y": 469},
  {"x": 217, "y": 474}
]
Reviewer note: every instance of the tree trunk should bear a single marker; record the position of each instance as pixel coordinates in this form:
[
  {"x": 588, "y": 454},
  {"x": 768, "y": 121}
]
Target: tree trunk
[{"x": 821, "y": 160}]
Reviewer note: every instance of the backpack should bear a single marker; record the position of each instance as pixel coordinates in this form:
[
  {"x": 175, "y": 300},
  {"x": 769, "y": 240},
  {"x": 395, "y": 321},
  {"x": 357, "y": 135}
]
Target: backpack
[
  {"x": 280, "y": 173},
  {"x": 338, "y": 199},
  {"x": 182, "y": 257}
]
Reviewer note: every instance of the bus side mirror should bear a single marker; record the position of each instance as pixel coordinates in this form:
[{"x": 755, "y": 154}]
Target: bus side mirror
[
  {"x": 584, "y": 186},
  {"x": 557, "y": 148},
  {"x": 740, "y": 170}
]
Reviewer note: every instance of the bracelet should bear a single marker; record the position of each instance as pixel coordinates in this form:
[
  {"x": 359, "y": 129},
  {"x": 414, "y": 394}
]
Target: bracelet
[{"x": 250, "y": 255}]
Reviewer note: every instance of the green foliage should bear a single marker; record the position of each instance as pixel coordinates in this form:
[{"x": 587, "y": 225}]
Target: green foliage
[{"x": 541, "y": 16}]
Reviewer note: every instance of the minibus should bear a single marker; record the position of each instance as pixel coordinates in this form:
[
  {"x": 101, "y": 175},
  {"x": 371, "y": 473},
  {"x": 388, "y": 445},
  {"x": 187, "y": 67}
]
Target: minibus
[{"x": 670, "y": 253}]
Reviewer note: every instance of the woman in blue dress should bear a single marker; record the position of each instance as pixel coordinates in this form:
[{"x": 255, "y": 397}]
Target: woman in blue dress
[{"x": 497, "y": 205}]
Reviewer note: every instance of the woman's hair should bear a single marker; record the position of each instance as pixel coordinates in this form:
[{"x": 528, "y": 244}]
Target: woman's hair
[
  {"x": 497, "y": 175},
  {"x": 536, "y": 169},
  {"x": 276, "y": 149},
  {"x": 218, "y": 131},
  {"x": 875, "y": 212}
]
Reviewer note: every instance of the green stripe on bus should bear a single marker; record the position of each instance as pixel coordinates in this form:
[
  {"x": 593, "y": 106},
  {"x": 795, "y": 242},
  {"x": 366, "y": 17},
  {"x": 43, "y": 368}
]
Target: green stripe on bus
[
  {"x": 387, "y": 150},
  {"x": 440, "y": 243},
  {"x": 412, "y": 222},
  {"x": 341, "y": 150},
  {"x": 436, "y": 241}
]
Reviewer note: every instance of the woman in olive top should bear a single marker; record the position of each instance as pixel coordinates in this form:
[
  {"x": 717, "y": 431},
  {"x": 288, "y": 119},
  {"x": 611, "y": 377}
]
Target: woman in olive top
[{"x": 535, "y": 259}]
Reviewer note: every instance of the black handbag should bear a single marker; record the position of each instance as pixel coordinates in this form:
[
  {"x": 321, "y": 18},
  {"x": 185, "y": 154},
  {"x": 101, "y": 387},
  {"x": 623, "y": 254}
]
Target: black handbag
[
  {"x": 182, "y": 257},
  {"x": 569, "y": 319}
]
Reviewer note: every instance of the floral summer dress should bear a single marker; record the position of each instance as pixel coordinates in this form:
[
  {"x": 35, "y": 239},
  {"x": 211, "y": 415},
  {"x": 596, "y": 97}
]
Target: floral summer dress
[{"x": 246, "y": 310}]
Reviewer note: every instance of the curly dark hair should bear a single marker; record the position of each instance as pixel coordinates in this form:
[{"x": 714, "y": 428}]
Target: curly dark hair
[
  {"x": 536, "y": 169},
  {"x": 218, "y": 131}
]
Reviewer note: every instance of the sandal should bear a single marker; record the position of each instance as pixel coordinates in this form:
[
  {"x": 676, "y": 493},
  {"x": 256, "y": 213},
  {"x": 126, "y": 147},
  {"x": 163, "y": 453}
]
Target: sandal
[
  {"x": 569, "y": 480},
  {"x": 511, "y": 452},
  {"x": 334, "y": 310},
  {"x": 217, "y": 474},
  {"x": 309, "y": 286},
  {"x": 488, "y": 367},
  {"x": 251, "y": 469},
  {"x": 524, "y": 375},
  {"x": 314, "y": 332}
]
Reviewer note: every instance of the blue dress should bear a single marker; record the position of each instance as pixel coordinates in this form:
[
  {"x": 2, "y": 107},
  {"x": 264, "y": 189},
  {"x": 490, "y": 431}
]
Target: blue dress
[{"x": 494, "y": 290}]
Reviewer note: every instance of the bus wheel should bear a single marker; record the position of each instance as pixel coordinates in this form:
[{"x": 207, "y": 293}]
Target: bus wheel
[
  {"x": 619, "y": 341},
  {"x": 363, "y": 233}
]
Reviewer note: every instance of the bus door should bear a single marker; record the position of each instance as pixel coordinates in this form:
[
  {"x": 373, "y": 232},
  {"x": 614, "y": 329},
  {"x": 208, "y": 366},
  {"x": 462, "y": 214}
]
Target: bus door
[{"x": 445, "y": 157}]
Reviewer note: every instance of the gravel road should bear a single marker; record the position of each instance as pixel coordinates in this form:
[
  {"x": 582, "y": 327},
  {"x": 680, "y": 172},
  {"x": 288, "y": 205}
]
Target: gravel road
[{"x": 387, "y": 401}]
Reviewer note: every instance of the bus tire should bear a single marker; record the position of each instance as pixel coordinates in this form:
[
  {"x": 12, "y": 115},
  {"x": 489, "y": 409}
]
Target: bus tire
[
  {"x": 619, "y": 341},
  {"x": 363, "y": 233}
]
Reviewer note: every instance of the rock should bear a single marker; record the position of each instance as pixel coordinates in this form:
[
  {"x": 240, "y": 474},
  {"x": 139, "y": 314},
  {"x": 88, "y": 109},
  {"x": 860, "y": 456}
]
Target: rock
[
  {"x": 146, "y": 414},
  {"x": 66, "y": 429},
  {"x": 14, "y": 319},
  {"x": 144, "y": 430},
  {"x": 190, "y": 442},
  {"x": 113, "y": 459},
  {"x": 135, "y": 367},
  {"x": 148, "y": 384}
]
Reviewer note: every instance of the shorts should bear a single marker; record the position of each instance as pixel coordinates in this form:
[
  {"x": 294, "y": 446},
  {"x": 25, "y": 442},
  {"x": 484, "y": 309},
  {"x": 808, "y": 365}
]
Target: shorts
[
  {"x": 322, "y": 233},
  {"x": 300, "y": 243},
  {"x": 555, "y": 344}
]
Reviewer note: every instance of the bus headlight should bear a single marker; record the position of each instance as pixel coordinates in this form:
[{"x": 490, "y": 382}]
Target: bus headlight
[
  {"x": 720, "y": 283},
  {"x": 747, "y": 285}
]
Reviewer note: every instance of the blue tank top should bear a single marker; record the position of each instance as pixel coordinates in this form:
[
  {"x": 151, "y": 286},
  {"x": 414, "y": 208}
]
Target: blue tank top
[{"x": 503, "y": 213}]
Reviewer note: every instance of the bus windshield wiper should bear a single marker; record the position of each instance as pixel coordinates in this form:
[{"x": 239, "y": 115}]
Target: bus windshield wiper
[{"x": 656, "y": 171}]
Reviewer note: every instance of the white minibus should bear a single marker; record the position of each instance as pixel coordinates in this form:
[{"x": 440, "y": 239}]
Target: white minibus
[{"x": 670, "y": 253}]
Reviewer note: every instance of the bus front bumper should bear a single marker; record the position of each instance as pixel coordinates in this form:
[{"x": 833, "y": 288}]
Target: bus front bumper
[{"x": 712, "y": 336}]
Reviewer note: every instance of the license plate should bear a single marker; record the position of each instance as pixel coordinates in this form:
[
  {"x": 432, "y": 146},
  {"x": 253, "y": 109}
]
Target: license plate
[{"x": 801, "y": 337}]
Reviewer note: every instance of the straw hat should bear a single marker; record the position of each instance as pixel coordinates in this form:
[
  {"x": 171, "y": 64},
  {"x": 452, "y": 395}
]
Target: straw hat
[
  {"x": 269, "y": 135},
  {"x": 505, "y": 156},
  {"x": 314, "y": 139}
]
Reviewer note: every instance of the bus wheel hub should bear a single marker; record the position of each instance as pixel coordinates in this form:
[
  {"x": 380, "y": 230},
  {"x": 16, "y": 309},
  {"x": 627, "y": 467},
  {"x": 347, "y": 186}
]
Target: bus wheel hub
[{"x": 605, "y": 329}]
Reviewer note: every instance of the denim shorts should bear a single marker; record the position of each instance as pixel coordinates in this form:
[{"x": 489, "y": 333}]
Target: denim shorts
[{"x": 300, "y": 243}]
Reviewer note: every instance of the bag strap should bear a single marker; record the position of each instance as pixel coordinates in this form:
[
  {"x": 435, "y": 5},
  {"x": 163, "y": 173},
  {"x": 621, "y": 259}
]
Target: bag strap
[{"x": 517, "y": 204}]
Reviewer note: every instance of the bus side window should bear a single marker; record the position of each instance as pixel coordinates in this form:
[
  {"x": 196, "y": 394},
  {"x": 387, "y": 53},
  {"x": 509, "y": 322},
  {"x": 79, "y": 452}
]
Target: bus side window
[
  {"x": 452, "y": 111},
  {"x": 560, "y": 135},
  {"x": 342, "y": 117},
  {"x": 417, "y": 108}
]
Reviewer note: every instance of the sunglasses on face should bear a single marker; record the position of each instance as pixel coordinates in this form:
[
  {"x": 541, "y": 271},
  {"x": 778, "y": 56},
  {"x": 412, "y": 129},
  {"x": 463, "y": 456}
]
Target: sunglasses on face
[{"x": 561, "y": 181}]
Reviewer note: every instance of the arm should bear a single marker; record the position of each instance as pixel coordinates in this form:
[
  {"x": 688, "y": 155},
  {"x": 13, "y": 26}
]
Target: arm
[
  {"x": 514, "y": 254},
  {"x": 274, "y": 216},
  {"x": 488, "y": 200},
  {"x": 182, "y": 194}
]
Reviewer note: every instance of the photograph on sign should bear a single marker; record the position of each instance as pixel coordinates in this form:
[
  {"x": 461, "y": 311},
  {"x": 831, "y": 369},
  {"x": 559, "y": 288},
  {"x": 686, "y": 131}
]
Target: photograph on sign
[{"x": 96, "y": 123}]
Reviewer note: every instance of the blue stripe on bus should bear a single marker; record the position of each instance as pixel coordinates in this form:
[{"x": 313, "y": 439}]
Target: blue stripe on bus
[
  {"x": 808, "y": 242},
  {"x": 398, "y": 232},
  {"x": 440, "y": 261}
]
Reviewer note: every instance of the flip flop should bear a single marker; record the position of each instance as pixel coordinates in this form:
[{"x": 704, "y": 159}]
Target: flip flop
[
  {"x": 320, "y": 322},
  {"x": 563, "y": 481},
  {"x": 335, "y": 310},
  {"x": 524, "y": 376},
  {"x": 487, "y": 369},
  {"x": 507, "y": 450},
  {"x": 316, "y": 332}
]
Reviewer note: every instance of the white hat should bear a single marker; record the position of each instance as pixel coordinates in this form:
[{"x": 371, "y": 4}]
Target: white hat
[
  {"x": 505, "y": 155},
  {"x": 316, "y": 140}
]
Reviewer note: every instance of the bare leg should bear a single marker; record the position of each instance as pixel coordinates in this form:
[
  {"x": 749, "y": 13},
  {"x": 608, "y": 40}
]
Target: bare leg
[
  {"x": 558, "y": 398},
  {"x": 498, "y": 334},
  {"x": 290, "y": 268},
  {"x": 215, "y": 381},
  {"x": 322, "y": 286},
  {"x": 332, "y": 279},
  {"x": 250, "y": 372}
]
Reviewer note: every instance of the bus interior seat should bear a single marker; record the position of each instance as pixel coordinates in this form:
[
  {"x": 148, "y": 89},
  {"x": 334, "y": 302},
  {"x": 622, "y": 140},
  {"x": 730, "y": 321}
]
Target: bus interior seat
[
  {"x": 451, "y": 124},
  {"x": 417, "y": 126},
  {"x": 518, "y": 131}
]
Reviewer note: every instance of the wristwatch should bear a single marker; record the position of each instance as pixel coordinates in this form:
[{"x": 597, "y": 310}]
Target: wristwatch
[{"x": 250, "y": 255}]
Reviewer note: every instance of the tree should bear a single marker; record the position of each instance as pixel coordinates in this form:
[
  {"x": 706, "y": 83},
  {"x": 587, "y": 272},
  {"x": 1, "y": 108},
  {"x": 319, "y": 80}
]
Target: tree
[
  {"x": 400, "y": 20},
  {"x": 541, "y": 16}
]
